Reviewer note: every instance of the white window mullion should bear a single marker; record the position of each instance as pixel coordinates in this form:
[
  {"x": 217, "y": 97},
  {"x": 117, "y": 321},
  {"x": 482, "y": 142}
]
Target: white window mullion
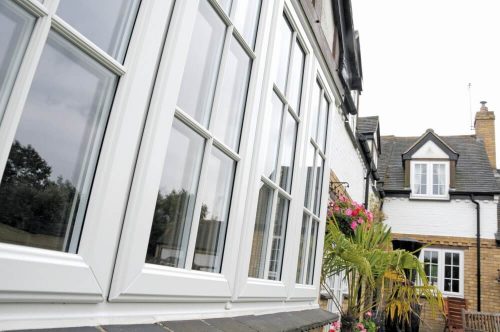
[{"x": 270, "y": 233}]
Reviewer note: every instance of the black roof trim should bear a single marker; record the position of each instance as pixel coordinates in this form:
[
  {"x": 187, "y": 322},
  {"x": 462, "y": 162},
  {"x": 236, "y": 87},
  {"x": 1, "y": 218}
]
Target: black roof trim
[{"x": 430, "y": 136}]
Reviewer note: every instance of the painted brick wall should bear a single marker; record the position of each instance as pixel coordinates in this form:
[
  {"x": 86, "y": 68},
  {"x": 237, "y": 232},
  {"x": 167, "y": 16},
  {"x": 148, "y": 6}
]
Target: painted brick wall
[
  {"x": 347, "y": 162},
  {"x": 442, "y": 218}
]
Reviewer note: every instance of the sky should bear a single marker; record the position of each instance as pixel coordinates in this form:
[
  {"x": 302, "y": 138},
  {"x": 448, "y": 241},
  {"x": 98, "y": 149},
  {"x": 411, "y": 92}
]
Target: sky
[{"x": 418, "y": 58}]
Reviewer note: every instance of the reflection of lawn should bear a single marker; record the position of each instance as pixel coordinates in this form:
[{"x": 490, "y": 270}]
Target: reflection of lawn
[{"x": 14, "y": 235}]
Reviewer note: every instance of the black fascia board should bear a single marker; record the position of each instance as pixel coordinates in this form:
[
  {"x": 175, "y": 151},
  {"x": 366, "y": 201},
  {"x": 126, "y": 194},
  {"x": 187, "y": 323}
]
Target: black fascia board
[{"x": 433, "y": 138}]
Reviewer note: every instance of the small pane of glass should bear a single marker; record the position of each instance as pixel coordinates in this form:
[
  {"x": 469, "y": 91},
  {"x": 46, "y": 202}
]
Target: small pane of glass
[
  {"x": 420, "y": 178},
  {"x": 434, "y": 257},
  {"x": 214, "y": 213},
  {"x": 456, "y": 273},
  {"x": 438, "y": 179},
  {"x": 295, "y": 81},
  {"x": 288, "y": 152},
  {"x": 229, "y": 117},
  {"x": 455, "y": 286},
  {"x": 310, "y": 176},
  {"x": 456, "y": 259},
  {"x": 176, "y": 197},
  {"x": 15, "y": 26},
  {"x": 316, "y": 98},
  {"x": 261, "y": 233},
  {"x": 447, "y": 258},
  {"x": 247, "y": 19},
  {"x": 49, "y": 172},
  {"x": 318, "y": 185},
  {"x": 302, "y": 250},
  {"x": 273, "y": 138},
  {"x": 313, "y": 239},
  {"x": 323, "y": 123},
  {"x": 278, "y": 241},
  {"x": 108, "y": 23},
  {"x": 284, "y": 40},
  {"x": 202, "y": 64}
]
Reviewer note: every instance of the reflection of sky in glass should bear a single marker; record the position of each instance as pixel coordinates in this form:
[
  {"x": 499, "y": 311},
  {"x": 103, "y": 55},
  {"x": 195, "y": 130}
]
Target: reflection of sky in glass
[
  {"x": 15, "y": 28},
  {"x": 108, "y": 23},
  {"x": 66, "y": 108}
]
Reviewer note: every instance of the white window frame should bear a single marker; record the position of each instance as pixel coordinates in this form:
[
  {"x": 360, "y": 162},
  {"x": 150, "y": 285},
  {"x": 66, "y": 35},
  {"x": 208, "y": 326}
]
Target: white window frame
[
  {"x": 430, "y": 164},
  {"x": 137, "y": 281},
  {"x": 441, "y": 266},
  {"x": 82, "y": 277}
]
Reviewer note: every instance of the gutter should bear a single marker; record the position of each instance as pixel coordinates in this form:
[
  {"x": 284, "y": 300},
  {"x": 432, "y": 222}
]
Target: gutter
[
  {"x": 478, "y": 250},
  {"x": 367, "y": 186}
]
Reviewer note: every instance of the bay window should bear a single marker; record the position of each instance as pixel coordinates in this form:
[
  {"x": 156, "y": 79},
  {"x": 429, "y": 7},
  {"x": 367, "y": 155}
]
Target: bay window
[
  {"x": 430, "y": 178},
  {"x": 444, "y": 268}
]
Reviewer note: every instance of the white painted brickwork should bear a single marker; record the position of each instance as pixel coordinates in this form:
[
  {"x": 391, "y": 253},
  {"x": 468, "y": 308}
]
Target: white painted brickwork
[{"x": 455, "y": 218}]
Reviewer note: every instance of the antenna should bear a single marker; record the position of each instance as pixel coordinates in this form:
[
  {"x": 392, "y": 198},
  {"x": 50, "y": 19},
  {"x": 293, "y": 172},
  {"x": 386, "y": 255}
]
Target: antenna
[{"x": 469, "y": 86}]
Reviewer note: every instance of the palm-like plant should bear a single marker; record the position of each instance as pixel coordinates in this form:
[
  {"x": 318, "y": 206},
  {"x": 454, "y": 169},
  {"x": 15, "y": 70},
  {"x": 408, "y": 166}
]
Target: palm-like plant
[{"x": 379, "y": 278}]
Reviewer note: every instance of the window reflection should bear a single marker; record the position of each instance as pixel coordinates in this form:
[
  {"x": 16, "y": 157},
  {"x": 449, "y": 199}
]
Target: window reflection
[
  {"x": 47, "y": 179},
  {"x": 261, "y": 233},
  {"x": 176, "y": 197},
  {"x": 108, "y": 23}
]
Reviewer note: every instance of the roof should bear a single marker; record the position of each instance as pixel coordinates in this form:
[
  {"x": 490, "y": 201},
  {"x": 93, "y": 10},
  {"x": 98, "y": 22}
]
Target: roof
[
  {"x": 429, "y": 135},
  {"x": 474, "y": 173},
  {"x": 304, "y": 320},
  {"x": 367, "y": 125}
]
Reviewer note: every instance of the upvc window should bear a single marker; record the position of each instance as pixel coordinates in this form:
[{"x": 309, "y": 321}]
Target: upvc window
[
  {"x": 430, "y": 179},
  {"x": 445, "y": 269},
  {"x": 315, "y": 160},
  {"x": 55, "y": 103},
  {"x": 276, "y": 181}
]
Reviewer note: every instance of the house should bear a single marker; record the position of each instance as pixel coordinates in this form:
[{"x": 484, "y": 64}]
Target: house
[
  {"x": 442, "y": 191},
  {"x": 168, "y": 161}
]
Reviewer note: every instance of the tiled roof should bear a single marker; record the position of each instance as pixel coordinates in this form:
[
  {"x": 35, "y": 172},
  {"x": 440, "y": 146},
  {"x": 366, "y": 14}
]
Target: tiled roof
[
  {"x": 367, "y": 124},
  {"x": 474, "y": 172}
]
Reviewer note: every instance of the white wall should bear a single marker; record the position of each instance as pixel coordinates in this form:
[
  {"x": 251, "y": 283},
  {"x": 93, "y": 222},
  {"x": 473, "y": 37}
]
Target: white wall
[
  {"x": 347, "y": 162},
  {"x": 447, "y": 218}
]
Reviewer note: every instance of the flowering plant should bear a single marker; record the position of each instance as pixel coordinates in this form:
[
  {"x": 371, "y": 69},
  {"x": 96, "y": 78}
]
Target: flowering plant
[{"x": 349, "y": 215}]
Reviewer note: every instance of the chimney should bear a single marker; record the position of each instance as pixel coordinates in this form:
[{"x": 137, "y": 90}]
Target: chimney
[{"x": 484, "y": 124}]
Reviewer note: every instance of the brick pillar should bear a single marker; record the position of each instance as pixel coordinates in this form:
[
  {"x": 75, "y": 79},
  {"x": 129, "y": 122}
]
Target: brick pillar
[{"x": 484, "y": 124}]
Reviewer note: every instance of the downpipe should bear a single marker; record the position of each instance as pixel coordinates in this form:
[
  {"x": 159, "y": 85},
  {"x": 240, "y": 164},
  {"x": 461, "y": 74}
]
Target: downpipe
[{"x": 478, "y": 250}]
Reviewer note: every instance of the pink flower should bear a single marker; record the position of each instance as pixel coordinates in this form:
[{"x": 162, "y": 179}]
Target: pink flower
[
  {"x": 342, "y": 198},
  {"x": 360, "y": 326},
  {"x": 360, "y": 220},
  {"x": 369, "y": 314},
  {"x": 354, "y": 225},
  {"x": 348, "y": 212},
  {"x": 336, "y": 208},
  {"x": 335, "y": 327},
  {"x": 369, "y": 214}
]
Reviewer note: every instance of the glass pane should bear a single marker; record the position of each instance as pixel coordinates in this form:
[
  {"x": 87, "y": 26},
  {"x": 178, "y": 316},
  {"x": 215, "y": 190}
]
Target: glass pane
[
  {"x": 261, "y": 232},
  {"x": 456, "y": 259},
  {"x": 302, "y": 250},
  {"x": 176, "y": 197},
  {"x": 434, "y": 257},
  {"x": 108, "y": 24},
  {"x": 427, "y": 256},
  {"x": 455, "y": 286},
  {"x": 318, "y": 184},
  {"x": 273, "y": 139},
  {"x": 312, "y": 252},
  {"x": 447, "y": 271},
  {"x": 434, "y": 270},
  {"x": 447, "y": 258},
  {"x": 234, "y": 85},
  {"x": 295, "y": 86},
  {"x": 456, "y": 273},
  {"x": 323, "y": 123},
  {"x": 202, "y": 64},
  {"x": 214, "y": 213},
  {"x": 284, "y": 40},
  {"x": 447, "y": 285},
  {"x": 310, "y": 176},
  {"x": 15, "y": 27},
  {"x": 247, "y": 19},
  {"x": 316, "y": 97},
  {"x": 287, "y": 155},
  {"x": 278, "y": 244},
  {"x": 427, "y": 270},
  {"x": 47, "y": 179}
]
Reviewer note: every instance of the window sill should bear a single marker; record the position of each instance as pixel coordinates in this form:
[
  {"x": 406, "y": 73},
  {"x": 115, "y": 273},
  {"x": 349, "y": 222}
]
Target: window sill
[{"x": 429, "y": 198}]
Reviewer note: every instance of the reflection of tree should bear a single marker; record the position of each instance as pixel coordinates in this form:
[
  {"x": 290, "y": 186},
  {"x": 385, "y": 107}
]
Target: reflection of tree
[{"x": 29, "y": 200}]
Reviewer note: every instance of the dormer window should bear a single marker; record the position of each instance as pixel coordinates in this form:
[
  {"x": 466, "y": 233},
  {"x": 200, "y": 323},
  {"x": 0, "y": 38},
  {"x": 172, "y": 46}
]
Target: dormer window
[
  {"x": 430, "y": 179},
  {"x": 430, "y": 167}
]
